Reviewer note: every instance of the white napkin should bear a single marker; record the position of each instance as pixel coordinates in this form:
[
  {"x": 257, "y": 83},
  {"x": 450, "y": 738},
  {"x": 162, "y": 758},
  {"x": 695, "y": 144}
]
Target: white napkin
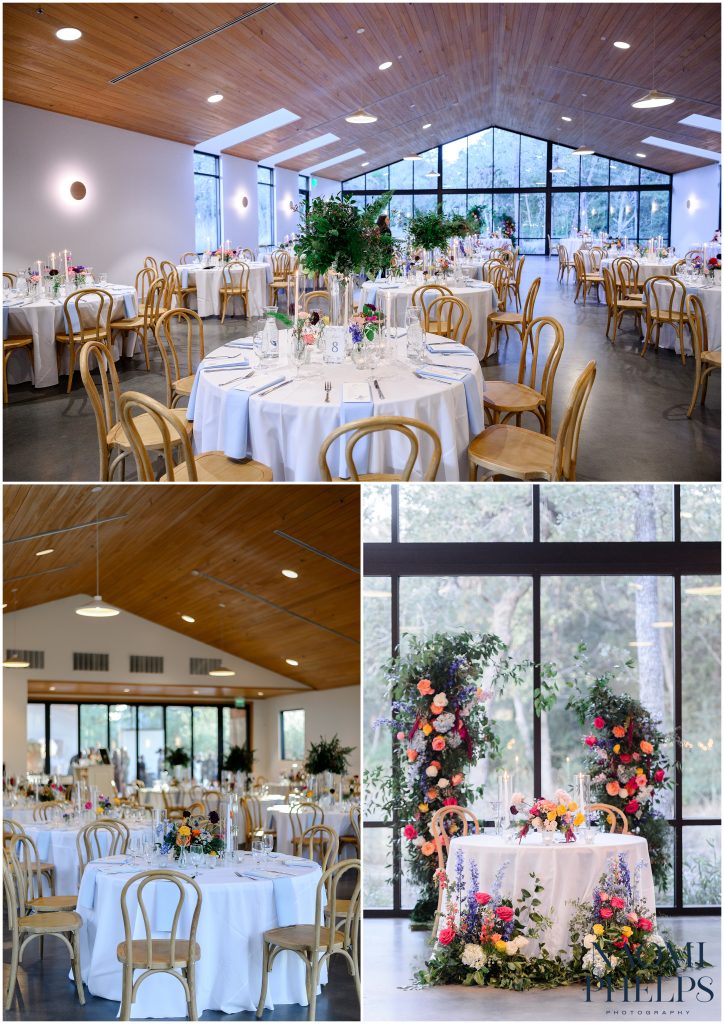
[{"x": 356, "y": 391}]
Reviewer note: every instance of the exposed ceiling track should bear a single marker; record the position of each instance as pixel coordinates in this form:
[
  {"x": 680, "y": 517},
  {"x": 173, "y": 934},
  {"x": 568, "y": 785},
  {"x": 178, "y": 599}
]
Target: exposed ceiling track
[
  {"x": 64, "y": 529},
  {"x": 271, "y": 604},
  {"x": 631, "y": 85},
  {"x": 316, "y": 551},
  {"x": 191, "y": 42},
  {"x": 43, "y": 572}
]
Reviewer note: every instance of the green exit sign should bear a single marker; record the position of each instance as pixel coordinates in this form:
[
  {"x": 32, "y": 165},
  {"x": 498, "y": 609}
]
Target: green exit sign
[
  {"x": 314, "y": 182},
  {"x": 239, "y": 702}
]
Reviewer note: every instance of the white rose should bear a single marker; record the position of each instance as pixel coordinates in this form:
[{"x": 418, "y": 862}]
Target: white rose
[
  {"x": 440, "y": 700},
  {"x": 522, "y": 941},
  {"x": 511, "y": 948},
  {"x": 431, "y": 772},
  {"x": 589, "y": 940},
  {"x": 537, "y": 824},
  {"x": 443, "y": 783},
  {"x": 418, "y": 841},
  {"x": 518, "y": 798},
  {"x": 551, "y": 826}
]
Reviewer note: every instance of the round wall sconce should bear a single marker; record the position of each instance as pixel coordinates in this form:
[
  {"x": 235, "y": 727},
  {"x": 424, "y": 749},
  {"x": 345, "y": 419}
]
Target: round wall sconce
[
  {"x": 78, "y": 190},
  {"x": 245, "y": 201}
]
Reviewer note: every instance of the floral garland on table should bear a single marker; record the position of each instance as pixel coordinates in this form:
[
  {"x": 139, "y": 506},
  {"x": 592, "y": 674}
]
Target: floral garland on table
[
  {"x": 193, "y": 831},
  {"x": 442, "y": 728},
  {"x": 614, "y": 936},
  {"x": 559, "y": 815},
  {"x": 486, "y": 936},
  {"x": 507, "y": 227}
]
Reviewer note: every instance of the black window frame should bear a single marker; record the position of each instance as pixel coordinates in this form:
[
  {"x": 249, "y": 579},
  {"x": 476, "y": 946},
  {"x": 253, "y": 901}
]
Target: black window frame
[
  {"x": 217, "y": 177},
  {"x": 282, "y": 713},
  {"x": 270, "y": 184}
]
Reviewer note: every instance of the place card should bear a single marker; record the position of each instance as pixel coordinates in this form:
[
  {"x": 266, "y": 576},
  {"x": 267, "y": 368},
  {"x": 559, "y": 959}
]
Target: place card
[{"x": 356, "y": 391}]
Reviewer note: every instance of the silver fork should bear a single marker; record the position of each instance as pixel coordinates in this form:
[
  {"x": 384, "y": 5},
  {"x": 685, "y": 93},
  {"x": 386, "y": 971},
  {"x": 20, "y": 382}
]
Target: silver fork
[{"x": 327, "y": 388}]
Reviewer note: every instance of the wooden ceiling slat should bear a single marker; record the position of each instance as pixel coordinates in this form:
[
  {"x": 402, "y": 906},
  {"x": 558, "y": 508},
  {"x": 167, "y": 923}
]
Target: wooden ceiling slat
[{"x": 484, "y": 64}]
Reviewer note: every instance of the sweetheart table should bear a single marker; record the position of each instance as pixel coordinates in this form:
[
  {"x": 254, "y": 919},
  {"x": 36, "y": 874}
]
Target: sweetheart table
[
  {"x": 568, "y": 871},
  {"x": 235, "y": 912}
]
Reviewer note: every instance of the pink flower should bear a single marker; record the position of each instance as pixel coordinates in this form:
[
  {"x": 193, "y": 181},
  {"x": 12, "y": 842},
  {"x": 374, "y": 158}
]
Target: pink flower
[
  {"x": 632, "y": 916},
  {"x": 631, "y": 807},
  {"x": 606, "y": 912},
  {"x": 438, "y": 743},
  {"x": 401, "y": 736},
  {"x": 612, "y": 788},
  {"x": 457, "y": 778},
  {"x": 617, "y": 902},
  {"x": 504, "y": 913},
  {"x": 598, "y": 722},
  {"x": 446, "y": 936},
  {"x": 625, "y": 759},
  {"x": 481, "y": 898},
  {"x": 449, "y": 801},
  {"x": 410, "y": 832},
  {"x": 590, "y": 741},
  {"x": 659, "y": 775},
  {"x": 87, "y": 805},
  {"x": 645, "y": 925}
]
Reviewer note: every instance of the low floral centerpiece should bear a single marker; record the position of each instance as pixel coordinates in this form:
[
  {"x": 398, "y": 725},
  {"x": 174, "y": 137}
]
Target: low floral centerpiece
[
  {"x": 79, "y": 274},
  {"x": 199, "y": 830},
  {"x": 54, "y": 279},
  {"x": 104, "y": 804},
  {"x": 365, "y": 325},
  {"x": 225, "y": 255},
  {"x": 548, "y": 817},
  {"x": 714, "y": 263}
]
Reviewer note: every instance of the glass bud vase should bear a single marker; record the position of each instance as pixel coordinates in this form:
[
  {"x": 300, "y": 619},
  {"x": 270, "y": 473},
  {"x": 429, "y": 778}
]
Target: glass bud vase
[
  {"x": 182, "y": 858},
  {"x": 270, "y": 333}
]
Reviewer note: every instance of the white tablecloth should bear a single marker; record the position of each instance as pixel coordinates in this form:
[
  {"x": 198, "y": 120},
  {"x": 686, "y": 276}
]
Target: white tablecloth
[
  {"x": 278, "y": 817},
  {"x": 568, "y": 871},
  {"x": 208, "y": 283},
  {"x": 487, "y": 242},
  {"x": 287, "y": 426},
  {"x": 23, "y": 815},
  {"x": 647, "y": 268},
  {"x": 235, "y": 913},
  {"x": 57, "y": 844},
  {"x": 44, "y": 319},
  {"x": 711, "y": 300},
  {"x": 481, "y": 299}
]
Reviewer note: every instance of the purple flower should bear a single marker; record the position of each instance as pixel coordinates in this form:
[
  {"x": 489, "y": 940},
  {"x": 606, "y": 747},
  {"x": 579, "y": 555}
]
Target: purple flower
[{"x": 214, "y": 817}]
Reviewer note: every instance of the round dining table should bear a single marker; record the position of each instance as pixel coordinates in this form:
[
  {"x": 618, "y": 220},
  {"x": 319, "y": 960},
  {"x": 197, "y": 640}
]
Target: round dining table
[
  {"x": 647, "y": 266},
  {"x": 284, "y": 428},
  {"x": 278, "y": 817},
  {"x": 23, "y": 814},
  {"x": 567, "y": 871},
  {"x": 393, "y": 299},
  {"x": 710, "y": 295},
  {"x": 208, "y": 280},
  {"x": 240, "y": 901},
  {"x": 43, "y": 318}
]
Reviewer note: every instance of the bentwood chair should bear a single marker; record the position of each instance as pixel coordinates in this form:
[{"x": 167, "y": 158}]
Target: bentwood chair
[
  {"x": 424, "y": 295},
  {"x": 11, "y": 829},
  {"x": 11, "y": 345},
  {"x": 298, "y": 828},
  {"x": 364, "y": 427},
  {"x": 585, "y": 279},
  {"x": 152, "y": 262},
  {"x": 234, "y": 285},
  {"x": 9, "y": 279},
  {"x": 488, "y": 267},
  {"x": 514, "y": 283},
  {"x": 33, "y": 874},
  {"x": 526, "y": 455},
  {"x": 166, "y": 432},
  {"x": 23, "y": 926},
  {"x": 44, "y": 811},
  {"x": 179, "y": 384},
  {"x": 318, "y": 301},
  {"x": 518, "y": 321},
  {"x": 77, "y": 308},
  {"x": 595, "y": 254},
  {"x": 614, "y": 816},
  {"x": 254, "y": 820},
  {"x": 352, "y": 836},
  {"x": 188, "y": 257},
  {"x": 317, "y": 943},
  {"x": 321, "y": 840},
  {"x": 565, "y": 265},
  {"x": 248, "y": 254},
  {"x": 706, "y": 361},
  {"x": 144, "y": 279},
  {"x": 626, "y": 277},
  {"x": 504, "y": 399},
  {"x": 618, "y": 306},
  {"x": 280, "y": 264},
  {"x": 114, "y": 445},
  {"x": 174, "y": 956},
  {"x": 211, "y": 799},
  {"x": 104, "y": 837},
  {"x": 693, "y": 252},
  {"x": 144, "y": 323},
  {"x": 445, "y": 823},
  {"x": 449, "y": 317},
  {"x": 665, "y": 299},
  {"x": 676, "y": 267}
]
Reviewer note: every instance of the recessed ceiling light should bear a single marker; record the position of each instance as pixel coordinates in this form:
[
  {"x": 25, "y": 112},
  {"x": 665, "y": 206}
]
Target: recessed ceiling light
[
  {"x": 291, "y": 661},
  {"x": 52, "y": 689},
  {"x": 385, "y": 65},
  {"x": 68, "y": 35},
  {"x": 127, "y": 690},
  {"x": 653, "y": 99},
  {"x": 622, "y": 46},
  {"x": 196, "y": 693},
  {"x": 360, "y": 31},
  {"x": 428, "y": 125},
  {"x": 216, "y": 98},
  {"x": 360, "y": 117},
  {"x": 188, "y": 618},
  {"x": 365, "y": 164},
  {"x": 290, "y": 574},
  {"x": 564, "y": 118},
  {"x": 641, "y": 155},
  {"x": 260, "y": 693},
  {"x": 45, "y": 551}
]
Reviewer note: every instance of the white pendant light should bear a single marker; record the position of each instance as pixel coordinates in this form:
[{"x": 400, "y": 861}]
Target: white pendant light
[
  {"x": 432, "y": 174},
  {"x": 13, "y": 659},
  {"x": 412, "y": 156},
  {"x": 583, "y": 149},
  {"x": 95, "y": 609},
  {"x": 360, "y": 117},
  {"x": 653, "y": 98}
]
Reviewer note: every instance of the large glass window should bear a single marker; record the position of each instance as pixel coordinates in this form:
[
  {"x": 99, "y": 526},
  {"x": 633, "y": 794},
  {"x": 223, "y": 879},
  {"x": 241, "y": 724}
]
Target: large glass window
[
  {"x": 291, "y": 735},
  {"x": 124, "y": 752},
  {"x": 480, "y": 159},
  {"x": 455, "y": 164},
  {"x": 207, "y": 199},
  {"x": 63, "y": 737},
  {"x": 654, "y": 214},
  {"x": 36, "y": 738},
  {"x": 178, "y": 728},
  {"x": 265, "y": 196},
  {"x": 564, "y": 215},
  {"x": 150, "y": 744},
  {"x": 93, "y": 726},
  {"x": 206, "y": 744},
  {"x": 532, "y": 222},
  {"x": 623, "y": 214}
]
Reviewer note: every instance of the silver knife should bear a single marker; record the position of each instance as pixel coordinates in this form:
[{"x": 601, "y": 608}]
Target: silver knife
[
  {"x": 379, "y": 389},
  {"x": 281, "y": 384},
  {"x": 450, "y": 366},
  {"x": 440, "y": 379}
]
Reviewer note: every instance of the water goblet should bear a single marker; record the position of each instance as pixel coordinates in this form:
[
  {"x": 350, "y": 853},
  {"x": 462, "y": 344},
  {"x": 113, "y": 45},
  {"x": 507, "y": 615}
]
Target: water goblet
[
  {"x": 257, "y": 849},
  {"x": 268, "y": 844}
]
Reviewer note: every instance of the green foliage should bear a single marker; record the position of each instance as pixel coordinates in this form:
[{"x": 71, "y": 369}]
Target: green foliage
[
  {"x": 430, "y": 231},
  {"x": 176, "y": 757},
  {"x": 475, "y": 218},
  {"x": 328, "y": 756},
  {"x": 338, "y": 236},
  {"x": 239, "y": 759},
  {"x": 507, "y": 227}
]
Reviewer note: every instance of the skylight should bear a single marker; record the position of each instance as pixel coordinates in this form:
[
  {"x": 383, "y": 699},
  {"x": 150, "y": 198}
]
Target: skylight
[
  {"x": 711, "y": 124},
  {"x": 334, "y": 160},
  {"x": 680, "y": 147},
  {"x": 267, "y": 123},
  {"x": 303, "y": 147}
]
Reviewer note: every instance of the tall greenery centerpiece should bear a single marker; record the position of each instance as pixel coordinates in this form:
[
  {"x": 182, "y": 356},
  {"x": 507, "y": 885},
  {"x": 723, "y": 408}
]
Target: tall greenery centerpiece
[
  {"x": 240, "y": 760},
  {"x": 176, "y": 759},
  {"x": 507, "y": 227},
  {"x": 477, "y": 219},
  {"x": 442, "y": 729},
  {"x": 430, "y": 231},
  {"x": 327, "y": 756}
]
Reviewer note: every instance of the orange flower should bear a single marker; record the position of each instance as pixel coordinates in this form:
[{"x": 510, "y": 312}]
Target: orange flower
[
  {"x": 427, "y": 849},
  {"x": 438, "y": 743},
  {"x": 457, "y": 778},
  {"x": 612, "y": 788},
  {"x": 195, "y": 831},
  {"x": 619, "y": 732},
  {"x": 425, "y": 688},
  {"x": 646, "y": 747},
  {"x": 495, "y": 937},
  {"x": 435, "y": 709},
  {"x": 427, "y": 728},
  {"x": 411, "y": 755},
  {"x": 432, "y": 794}
]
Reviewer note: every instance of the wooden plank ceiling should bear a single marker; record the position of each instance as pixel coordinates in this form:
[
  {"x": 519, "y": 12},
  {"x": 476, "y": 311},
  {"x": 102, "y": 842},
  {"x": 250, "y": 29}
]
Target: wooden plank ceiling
[
  {"x": 461, "y": 67},
  {"x": 228, "y": 533}
]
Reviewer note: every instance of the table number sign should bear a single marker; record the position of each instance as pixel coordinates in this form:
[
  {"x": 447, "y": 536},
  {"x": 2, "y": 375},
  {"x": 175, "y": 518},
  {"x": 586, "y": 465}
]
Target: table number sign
[{"x": 334, "y": 344}]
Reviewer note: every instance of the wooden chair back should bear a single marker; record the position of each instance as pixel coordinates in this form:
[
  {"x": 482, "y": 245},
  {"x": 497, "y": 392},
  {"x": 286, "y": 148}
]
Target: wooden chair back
[
  {"x": 596, "y": 254},
  {"x": 609, "y": 289},
  {"x": 676, "y": 267},
  {"x": 104, "y": 400},
  {"x": 172, "y": 287},
  {"x": 97, "y": 320},
  {"x": 153, "y": 962},
  {"x": 566, "y": 450},
  {"x": 235, "y": 277},
  {"x": 532, "y": 337},
  {"x": 14, "y": 887},
  {"x": 9, "y": 279},
  {"x": 248, "y": 254},
  {"x": 90, "y": 841},
  {"x": 693, "y": 252},
  {"x": 179, "y": 319},
  {"x": 188, "y": 257},
  {"x": 253, "y": 815},
  {"x": 616, "y": 816},
  {"x": 211, "y": 799},
  {"x": 152, "y": 262},
  {"x": 171, "y": 427},
  {"x": 515, "y": 283},
  {"x": 665, "y": 298},
  {"x": 167, "y": 268},
  {"x": 451, "y": 316},
  {"x": 420, "y": 295},
  {"x": 562, "y": 256},
  {"x": 144, "y": 279},
  {"x": 322, "y": 839},
  {"x": 626, "y": 273},
  {"x": 529, "y": 306},
  {"x": 500, "y": 279},
  {"x": 319, "y": 301},
  {"x": 30, "y": 876},
  {"x": 361, "y": 428},
  {"x": 13, "y": 827},
  {"x": 488, "y": 266},
  {"x": 463, "y": 818},
  {"x": 699, "y": 328},
  {"x": 43, "y": 811},
  {"x": 347, "y": 916},
  {"x": 280, "y": 264},
  {"x": 297, "y": 810}
]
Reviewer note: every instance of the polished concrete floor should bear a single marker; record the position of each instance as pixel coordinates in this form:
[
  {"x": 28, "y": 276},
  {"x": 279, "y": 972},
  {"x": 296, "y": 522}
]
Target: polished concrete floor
[
  {"x": 44, "y": 993},
  {"x": 392, "y": 954},
  {"x": 635, "y": 428}
]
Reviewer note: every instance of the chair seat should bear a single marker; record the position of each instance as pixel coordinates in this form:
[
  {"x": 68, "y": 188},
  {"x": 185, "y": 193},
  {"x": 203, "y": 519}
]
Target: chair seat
[
  {"x": 128, "y": 323},
  {"x": 503, "y": 395},
  {"x": 712, "y": 358},
  {"x": 216, "y": 466},
  {"x": 160, "y": 952},
  {"x": 668, "y": 318},
  {"x": 60, "y": 921},
  {"x": 301, "y": 936},
  {"x": 506, "y": 318},
  {"x": 593, "y": 278},
  {"x": 19, "y": 342},
  {"x": 226, "y": 289},
  {"x": 183, "y": 386},
  {"x": 631, "y": 304},
  {"x": 149, "y": 432},
  {"x": 514, "y": 451},
  {"x": 87, "y": 334},
  {"x": 49, "y": 903},
  {"x": 46, "y": 867}
]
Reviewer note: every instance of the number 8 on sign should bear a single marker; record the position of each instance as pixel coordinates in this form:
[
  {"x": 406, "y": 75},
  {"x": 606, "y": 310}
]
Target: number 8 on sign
[{"x": 334, "y": 338}]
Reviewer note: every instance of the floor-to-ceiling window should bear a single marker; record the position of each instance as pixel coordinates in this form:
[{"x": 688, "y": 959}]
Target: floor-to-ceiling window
[
  {"x": 543, "y": 186},
  {"x": 631, "y": 571},
  {"x": 265, "y": 194},
  {"x": 207, "y": 199}
]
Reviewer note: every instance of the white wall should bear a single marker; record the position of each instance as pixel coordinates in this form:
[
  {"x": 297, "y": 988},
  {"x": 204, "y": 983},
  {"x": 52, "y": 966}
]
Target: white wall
[
  {"x": 55, "y": 629},
  {"x": 239, "y": 180},
  {"x": 698, "y": 223},
  {"x": 326, "y": 712},
  {"x": 140, "y": 198}
]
